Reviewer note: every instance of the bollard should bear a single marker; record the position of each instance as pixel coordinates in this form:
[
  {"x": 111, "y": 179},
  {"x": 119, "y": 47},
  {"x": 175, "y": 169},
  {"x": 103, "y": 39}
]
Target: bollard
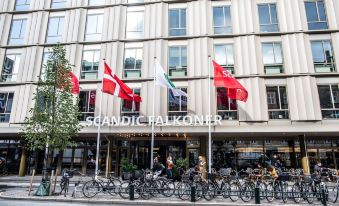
[
  {"x": 131, "y": 192},
  {"x": 257, "y": 195},
  {"x": 193, "y": 193},
  {"x": 323, "y": 196}
]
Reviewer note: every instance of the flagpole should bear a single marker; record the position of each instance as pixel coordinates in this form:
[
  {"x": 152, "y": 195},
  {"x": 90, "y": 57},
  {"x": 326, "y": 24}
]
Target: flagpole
[
  {"x": 98, "y": 132},
  {"x": 210, "y": 118},
  {"x": 153, "y": 113}
]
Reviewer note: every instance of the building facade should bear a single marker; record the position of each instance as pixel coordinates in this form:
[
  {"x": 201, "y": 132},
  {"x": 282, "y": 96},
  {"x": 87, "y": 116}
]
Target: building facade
[{"x": 284, "y": 52}]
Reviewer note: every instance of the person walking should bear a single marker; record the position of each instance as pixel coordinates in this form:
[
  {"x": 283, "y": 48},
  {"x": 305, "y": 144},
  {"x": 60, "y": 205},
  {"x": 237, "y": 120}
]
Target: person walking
[{"x": 170, "y": 166}]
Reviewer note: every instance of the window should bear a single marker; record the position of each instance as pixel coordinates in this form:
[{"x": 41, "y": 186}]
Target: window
[
  {"x": 268, "y": 18},
  {"x": 132, "y": 62},
  {"x": 223, "y": 54},
  {"x": 323, "y": 56},
  {"x": 6, "y": 101},
  {"x": 222, "y": 20},
  {"x": 226, "y": 107},
  {"x": 94, "y": 27},
  {"x": 130, "y": 108},
  {"x": 96, "y": 2},
  {"x": 22, "y": 5},
  {"x": 277, "y": 102},
  {"x": 10, "y": 68},
  {"x": 56, "y": 4},
  {"x": 177, "y": 105},
  {"x": 86, "y": 104},
  {"x": 17, "y": 33},
  {"x": 55, "y": 29},
  {"x": 90, "y": 64},
  {"x": 177, "y": 22},
  {"x": 43, "y": 73},
  {"x": 316, "y": 16},
  {"x": 329, "y": 101},
  {"x": 177, "y": 61},
  {"x": 272, "y": 58},
  {"x": 135, "y": 24}
]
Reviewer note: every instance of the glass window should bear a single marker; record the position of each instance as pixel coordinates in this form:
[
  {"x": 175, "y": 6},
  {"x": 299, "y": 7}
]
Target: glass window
[
  {"x": 277, "y": 102},
  {"x": 222, "y": 20},
  {"x": 323, "y": 58},
  {"x": 268, "y": 18},
  {"x": 10, "y": 68},
  {"x": 6, "y": 101},
  {"x": 43, "y": 73},
  {"x": 22, "y": 5},
  {"x": 316, "y": 15},
  {"x": 177, "y": 22},
  {"x": 90, "y": 64},
  {"x": 132, "y": 62},
  {"x": 86, "y": 104},
  {"x": 96, "y": 2},
  {"x": 223, "y": 54},
  {"x": 130, "y": 108},
  {"x": 55, "y": 29},
  {"x": 18, "y": 29},
  {"x": 329, "y": 101},
  {"x": 56, "y": 4},
  {"x": 135, "y": 24},
  {"x": 94, "y": 27},
  {"x": 177, "y": 105},
  {"x": 177, "y": 61},
  {"x": 226, "y": 107},
  {"x": 272, "y": 58}
]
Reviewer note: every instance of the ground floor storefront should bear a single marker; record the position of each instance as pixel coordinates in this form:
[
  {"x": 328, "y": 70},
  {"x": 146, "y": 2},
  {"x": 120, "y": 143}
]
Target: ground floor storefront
[{"x": 236, "y": 152}]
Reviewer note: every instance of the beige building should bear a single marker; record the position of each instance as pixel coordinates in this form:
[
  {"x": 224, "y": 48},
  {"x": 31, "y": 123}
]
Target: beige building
[{"x": 284, "y": 52}]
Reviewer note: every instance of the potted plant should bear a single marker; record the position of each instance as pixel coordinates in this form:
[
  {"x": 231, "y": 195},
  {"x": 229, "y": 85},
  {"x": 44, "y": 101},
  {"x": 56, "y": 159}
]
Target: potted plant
[
  {"x": 127, "y": 168},
  {"x": 181, "y": 166}
]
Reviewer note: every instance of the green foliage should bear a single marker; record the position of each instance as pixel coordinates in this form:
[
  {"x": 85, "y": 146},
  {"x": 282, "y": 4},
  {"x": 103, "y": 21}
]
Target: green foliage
[
  {"x": 54, "y": 118},
  {"x": 183, "y": 163},
  {"x": 127, "y": 166}
]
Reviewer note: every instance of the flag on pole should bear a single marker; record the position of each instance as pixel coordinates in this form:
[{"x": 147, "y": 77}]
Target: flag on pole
[
  {"x": 222, "y": 78},
  {"x": 161, "y": 79},
  {"x": 75, "y": 84},
  {"x": 111, "y": 84}
]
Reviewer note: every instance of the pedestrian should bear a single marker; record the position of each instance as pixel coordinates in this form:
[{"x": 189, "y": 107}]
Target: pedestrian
[
  {"x": 170, "y": 166},
  {"x": 202, "y": 167}
]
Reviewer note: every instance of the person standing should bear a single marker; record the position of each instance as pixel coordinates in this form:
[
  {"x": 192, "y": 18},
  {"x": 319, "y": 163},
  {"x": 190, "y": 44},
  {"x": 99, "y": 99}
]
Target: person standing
[
  {"x": 202, "y": 167},
  {"x": 170, "y": 166}
]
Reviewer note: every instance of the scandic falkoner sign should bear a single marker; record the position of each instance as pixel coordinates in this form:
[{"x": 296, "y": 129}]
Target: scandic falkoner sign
[{"x": 195, "y": 120}]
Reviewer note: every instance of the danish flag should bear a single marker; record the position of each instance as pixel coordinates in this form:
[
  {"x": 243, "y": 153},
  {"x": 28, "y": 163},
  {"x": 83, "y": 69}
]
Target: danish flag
[{"x": 114, "y": 86}]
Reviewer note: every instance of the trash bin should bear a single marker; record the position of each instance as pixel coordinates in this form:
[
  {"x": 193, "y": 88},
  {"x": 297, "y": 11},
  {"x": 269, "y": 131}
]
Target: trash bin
[{"x": 43, "y": 189}]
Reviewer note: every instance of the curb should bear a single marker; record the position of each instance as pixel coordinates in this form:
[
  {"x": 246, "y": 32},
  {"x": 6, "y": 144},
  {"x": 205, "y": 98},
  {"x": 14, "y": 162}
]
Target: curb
[{"x": 126, "y": 202}]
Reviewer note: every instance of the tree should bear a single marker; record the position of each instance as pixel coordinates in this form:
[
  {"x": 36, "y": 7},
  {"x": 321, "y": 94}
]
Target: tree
[{"x": 53, "y": 121}]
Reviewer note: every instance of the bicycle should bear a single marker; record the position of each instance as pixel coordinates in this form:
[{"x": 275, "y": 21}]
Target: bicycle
[
  {"x": 108, "y": 185},
  {"x": 64, "y": 184},
  {"x": 78, "y": 184}
]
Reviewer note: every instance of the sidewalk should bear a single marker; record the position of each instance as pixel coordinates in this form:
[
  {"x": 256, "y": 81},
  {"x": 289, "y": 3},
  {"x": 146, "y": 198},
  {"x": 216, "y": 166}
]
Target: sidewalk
[{"x": 22, "y": 194}]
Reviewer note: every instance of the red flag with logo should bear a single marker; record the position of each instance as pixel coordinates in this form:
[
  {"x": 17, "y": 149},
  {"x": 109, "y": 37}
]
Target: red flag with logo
[
  {"x": 74, "y": 83},
  {"x": 114, "y": 86},
  {"x": 222, "y": 78}
]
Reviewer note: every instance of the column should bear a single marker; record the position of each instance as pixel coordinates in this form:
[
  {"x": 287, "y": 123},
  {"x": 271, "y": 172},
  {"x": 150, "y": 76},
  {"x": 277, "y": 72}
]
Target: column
[
  {"x": 22, "y": 168},
  {"x": 84, "y": 159},
  {"x": 303, "y": 153}
]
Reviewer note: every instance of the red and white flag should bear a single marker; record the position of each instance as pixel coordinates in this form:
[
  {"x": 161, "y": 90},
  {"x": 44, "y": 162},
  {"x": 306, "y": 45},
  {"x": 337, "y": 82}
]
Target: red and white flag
[
  {"x": 222, "y": 78},
  {"x": 74, "y": 83},
  {"x": 114, "y": 86}
]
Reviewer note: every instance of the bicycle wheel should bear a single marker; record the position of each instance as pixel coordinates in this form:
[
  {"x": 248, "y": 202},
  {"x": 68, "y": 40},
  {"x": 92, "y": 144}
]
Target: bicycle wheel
[
  {"x": 199, "y": 190},
  {"x": 284, "y": 191},
  {"x": 124, "y": 190},
  {"x": 296, "y": 193},
  {"x": 235, "y": 191},
  {"x": 145, "y": 190},
  {"x": 184, "y": 190},
  {"x": 90, "y": 189},
  {"x": 334, "y": 194},
  {"x": 309, "y": 193},
  {"x": 66, "y": 187},
  {"x": 269, "y": 192},
  {"x": 167, "y": 188},
  {"x": 225, "y": 190},
  {"x": 209, "y": 191},
  {"x": 246, "y": 192},
  {"x": 262, "y": 186}
]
